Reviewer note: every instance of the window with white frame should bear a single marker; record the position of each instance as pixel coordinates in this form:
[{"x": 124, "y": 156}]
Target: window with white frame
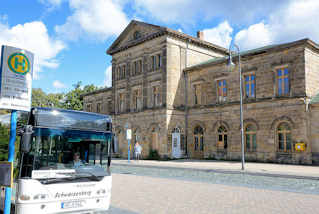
[
  {"x": 156, "y": 61},
  {"x": 155, "y": 96},
  {"x": 137, "y": 67},
  {"x": 137, "y": 99}
]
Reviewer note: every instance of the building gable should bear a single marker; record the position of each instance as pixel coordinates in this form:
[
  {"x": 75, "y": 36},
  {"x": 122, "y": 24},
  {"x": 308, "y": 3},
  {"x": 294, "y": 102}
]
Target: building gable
[{"x": 135, "y": 32}]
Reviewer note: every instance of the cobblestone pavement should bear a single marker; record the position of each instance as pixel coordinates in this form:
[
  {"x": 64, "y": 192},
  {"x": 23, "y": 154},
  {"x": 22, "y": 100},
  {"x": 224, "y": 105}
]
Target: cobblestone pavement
[{"x": 153, "y": 190}]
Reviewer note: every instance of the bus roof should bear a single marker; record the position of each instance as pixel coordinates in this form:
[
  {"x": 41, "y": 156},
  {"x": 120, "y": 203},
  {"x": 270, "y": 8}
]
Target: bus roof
[{"x": 69, "y": 119}]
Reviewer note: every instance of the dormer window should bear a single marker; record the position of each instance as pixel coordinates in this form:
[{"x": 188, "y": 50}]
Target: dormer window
[{"x": 137, "y": 35}]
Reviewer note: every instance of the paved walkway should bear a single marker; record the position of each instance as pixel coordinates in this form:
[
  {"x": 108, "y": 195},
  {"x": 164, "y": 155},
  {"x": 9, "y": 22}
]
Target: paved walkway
[
  {"x": 132, "y": 194},
  {"x": 266, "y": 169}
]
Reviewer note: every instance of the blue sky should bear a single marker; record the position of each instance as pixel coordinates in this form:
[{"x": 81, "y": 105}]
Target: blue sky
[{"x": 70, "y": 37}]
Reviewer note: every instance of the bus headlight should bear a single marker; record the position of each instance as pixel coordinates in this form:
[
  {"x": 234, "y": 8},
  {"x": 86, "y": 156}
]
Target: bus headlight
[{"x": 25, "y": 197}]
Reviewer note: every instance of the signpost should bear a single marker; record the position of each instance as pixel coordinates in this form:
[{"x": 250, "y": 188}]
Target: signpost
[
  {"x": 16, "y": 69},
  {"x": 6, "y": 169},
  {"x": 128, "y": 138}
]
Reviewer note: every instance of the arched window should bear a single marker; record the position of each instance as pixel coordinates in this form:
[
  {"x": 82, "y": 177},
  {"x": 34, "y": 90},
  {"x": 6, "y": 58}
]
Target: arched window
[
  {"x": 222, "y": 137},
  {"x": 198, "y": 139},
  {"x": 284, "y": 137},
  {"x": 250, "y": 138}
]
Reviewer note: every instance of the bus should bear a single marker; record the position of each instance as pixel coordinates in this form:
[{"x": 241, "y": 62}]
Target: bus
[{"x": 64, "y": 163}]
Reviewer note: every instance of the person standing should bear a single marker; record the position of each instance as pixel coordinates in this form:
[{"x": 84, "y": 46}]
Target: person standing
[{"x": 138, "y": 151}]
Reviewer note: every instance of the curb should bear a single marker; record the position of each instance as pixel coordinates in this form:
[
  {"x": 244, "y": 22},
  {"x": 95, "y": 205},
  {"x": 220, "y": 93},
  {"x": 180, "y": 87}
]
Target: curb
[{"x": 224, "y": 171}]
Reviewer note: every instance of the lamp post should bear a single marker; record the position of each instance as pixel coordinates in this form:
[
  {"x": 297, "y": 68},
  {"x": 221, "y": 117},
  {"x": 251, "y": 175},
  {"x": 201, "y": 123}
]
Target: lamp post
[{"x": 232, "y": 66}]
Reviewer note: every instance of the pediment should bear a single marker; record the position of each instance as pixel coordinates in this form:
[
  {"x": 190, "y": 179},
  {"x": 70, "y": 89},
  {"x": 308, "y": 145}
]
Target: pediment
[{"x": 134, "y": 32}]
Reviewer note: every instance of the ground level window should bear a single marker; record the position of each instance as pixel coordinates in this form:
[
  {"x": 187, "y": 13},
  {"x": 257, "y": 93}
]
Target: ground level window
[
  {"x": 250, "y": 138},
  {"x": 222, "y": 137},
  {"x": 284, "y": 138}
]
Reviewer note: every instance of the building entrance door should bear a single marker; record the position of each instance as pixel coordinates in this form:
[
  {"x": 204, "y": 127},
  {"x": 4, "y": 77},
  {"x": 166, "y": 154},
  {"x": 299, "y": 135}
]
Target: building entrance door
[
  {"x": 198, "y": 142},
  {"x": 176, "y": 145}
]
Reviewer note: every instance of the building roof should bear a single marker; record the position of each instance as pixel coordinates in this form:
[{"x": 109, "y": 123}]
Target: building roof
[
  {"x": 253, "y": 52},
  {"x": 160, "y": 32},
  {"x": 96, "y": 91}
]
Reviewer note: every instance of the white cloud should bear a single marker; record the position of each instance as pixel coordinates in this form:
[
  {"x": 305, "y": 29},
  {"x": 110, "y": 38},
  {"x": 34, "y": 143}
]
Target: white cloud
[
  {"x": 188, "y": 11},
  {"x": 220, "y": 35},
  {"x": 165, "y": 10},
  {"x": 97, "y": 19},
  {"x": 297, "y": 21},
  {"x": 33, "y": 36},
  {"x": 256, "y": 35},
  {"x": 52, "y": 3},
  {"x": 58, "y": 85},
  {"x": 108, "y": 77}
]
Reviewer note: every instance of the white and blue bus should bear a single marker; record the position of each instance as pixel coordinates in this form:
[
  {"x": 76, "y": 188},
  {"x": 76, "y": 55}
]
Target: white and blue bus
[{"x": 50, "y": 180}]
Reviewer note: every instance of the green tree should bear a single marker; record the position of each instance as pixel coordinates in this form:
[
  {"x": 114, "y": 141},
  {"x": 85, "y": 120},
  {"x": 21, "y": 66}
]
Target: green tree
[
  {"x": 4, "y": 141},
  {"x": 73, "y": 98},
  {"x": 41, "y": 99}
]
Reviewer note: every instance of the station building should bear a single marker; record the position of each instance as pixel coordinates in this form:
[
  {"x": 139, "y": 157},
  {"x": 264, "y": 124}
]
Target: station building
[{"x": 179, "y": 97}]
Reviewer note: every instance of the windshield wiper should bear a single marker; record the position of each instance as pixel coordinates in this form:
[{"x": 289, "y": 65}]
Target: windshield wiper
[{"x": 72, "y": 178}]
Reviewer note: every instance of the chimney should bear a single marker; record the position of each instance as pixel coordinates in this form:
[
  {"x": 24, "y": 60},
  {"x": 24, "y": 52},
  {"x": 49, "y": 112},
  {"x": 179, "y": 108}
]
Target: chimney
[{"x": 200, "y": 35}]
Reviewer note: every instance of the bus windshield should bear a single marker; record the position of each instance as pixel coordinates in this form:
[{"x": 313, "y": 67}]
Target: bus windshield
[{"x": 66, "y": 145}]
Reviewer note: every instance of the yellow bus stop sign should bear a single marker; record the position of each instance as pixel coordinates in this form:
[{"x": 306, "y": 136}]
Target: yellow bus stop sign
[{"x": 19, "y": 63}]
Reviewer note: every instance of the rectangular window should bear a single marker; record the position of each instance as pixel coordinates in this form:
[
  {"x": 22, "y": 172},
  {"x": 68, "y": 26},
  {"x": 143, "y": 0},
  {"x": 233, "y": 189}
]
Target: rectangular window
[
  {"x": 134, "y": 68},
  {"x": 98, "y": 108},
  {"x": 197, "y": 94},
  {"x": 282, "y": 75},
  {"x": 137, "y": 99},
  {"x": 121, "y": 103},
  {"x": 153, "y": 62},
  {"x": 222, "y": 90},
  {"x": 159, "y": 60},
  {"x": 88, "y": 107},
  {"x": 196, "y": 143},
  {"x": 250, "y": 86},
  {"x": 155, "y": 96},
  {"x": 123, "y": 71},
  {"x": 139, "y": 66}
]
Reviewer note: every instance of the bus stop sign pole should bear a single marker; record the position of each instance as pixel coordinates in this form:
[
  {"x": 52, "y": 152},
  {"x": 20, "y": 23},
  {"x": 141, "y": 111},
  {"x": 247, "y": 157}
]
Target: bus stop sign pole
[
  {"x": 128, "y": 137},
  {"x": 13, "y": 127}
]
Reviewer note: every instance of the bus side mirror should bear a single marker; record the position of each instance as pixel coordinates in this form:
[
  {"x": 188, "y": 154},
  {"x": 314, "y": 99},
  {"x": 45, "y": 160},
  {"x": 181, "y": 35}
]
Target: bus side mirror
[{"x": 26, "y": 139}]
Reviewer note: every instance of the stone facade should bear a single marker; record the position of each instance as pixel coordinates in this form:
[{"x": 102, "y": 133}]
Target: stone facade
[{"x": 166, "y": 82}]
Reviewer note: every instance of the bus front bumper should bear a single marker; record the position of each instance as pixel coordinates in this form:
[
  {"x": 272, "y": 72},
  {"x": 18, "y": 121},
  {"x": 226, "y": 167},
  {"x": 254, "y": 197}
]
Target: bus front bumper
[{"x": 92, "y": 206}]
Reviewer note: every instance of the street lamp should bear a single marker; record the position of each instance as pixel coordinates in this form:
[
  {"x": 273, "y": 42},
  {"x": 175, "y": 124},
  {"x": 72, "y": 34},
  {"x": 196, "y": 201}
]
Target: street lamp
[{"x": 232, "y": 66}]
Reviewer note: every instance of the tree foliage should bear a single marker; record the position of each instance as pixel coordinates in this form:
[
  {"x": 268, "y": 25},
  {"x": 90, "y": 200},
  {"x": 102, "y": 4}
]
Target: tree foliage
[
  {"x": 70, "y": 100},
  {"x": 4, "y": 141}
]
